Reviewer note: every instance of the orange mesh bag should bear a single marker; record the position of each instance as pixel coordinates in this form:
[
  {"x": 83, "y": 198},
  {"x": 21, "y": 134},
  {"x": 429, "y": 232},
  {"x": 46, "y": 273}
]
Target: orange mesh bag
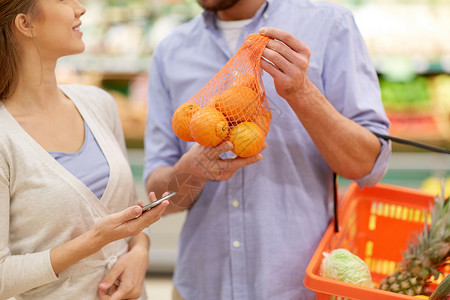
[{"x": 231, "y": 106}]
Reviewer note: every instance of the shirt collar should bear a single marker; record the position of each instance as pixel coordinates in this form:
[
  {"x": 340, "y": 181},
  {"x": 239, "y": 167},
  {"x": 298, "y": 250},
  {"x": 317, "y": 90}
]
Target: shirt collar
[{"x": 209, "y": 17}]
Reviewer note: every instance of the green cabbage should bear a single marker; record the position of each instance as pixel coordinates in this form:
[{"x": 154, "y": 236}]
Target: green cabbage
[{"x": 343, "y": 265}]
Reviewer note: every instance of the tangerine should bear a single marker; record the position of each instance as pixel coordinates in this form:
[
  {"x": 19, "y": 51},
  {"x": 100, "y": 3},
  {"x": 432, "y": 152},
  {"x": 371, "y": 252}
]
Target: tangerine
[
  {"x": 247, "y": 139},
  {"x": 247, "y": 80},
  {"x": 263, "y": 120},
  {"x": 209, "y": 127},
  {"x": 237, "y": 103},
  {"x": 212, "y": 101},
  {"x": 181, "y": 120}
]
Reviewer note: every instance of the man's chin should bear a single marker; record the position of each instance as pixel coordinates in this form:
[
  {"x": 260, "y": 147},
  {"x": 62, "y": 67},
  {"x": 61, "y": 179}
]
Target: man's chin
[{"x": 217, "y": 5}]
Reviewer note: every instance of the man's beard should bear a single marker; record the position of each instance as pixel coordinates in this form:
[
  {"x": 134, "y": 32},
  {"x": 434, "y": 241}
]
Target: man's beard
[{"x": 216, "y": 5}]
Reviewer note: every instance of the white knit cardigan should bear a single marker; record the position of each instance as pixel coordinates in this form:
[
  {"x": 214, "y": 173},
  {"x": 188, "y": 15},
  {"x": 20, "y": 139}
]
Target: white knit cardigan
[{"x": 42, "y": 205}]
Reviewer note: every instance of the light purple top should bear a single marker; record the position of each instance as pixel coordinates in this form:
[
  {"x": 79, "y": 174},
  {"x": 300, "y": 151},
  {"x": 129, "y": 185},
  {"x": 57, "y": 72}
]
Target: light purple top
[{"x": 88, "y": 164}]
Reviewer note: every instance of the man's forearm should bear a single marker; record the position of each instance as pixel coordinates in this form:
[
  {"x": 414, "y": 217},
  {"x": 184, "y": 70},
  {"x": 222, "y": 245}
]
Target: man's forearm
[
  {"x": 171, "y": 178},
  {"x": 348, "y": 148}
]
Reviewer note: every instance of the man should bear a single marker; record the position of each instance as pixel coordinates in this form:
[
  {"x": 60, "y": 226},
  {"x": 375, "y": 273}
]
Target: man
[{"x": 254, "y": 223}]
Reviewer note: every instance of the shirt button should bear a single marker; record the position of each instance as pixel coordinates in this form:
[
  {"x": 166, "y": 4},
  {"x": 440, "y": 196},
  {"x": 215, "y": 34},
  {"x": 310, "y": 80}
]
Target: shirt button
[
  {"x": 265, "y": 16},
  {"x": 235, "y": 203},
  {"x": 236, "y": 244}
]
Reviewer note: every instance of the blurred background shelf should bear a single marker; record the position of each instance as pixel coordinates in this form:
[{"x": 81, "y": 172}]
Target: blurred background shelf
[{"x": 408, "y": 41}]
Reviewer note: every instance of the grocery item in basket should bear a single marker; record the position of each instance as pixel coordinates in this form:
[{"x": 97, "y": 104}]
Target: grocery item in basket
[
  {"x": 427, "y": 253},
  {"x": 442, "y": 292},
  {"x": 345, "y": 266},
  {"x": 237, "y": 93}
]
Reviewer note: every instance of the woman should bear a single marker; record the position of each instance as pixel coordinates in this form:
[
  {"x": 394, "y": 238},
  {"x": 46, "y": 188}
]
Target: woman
[{"x": 69, "y": 224}]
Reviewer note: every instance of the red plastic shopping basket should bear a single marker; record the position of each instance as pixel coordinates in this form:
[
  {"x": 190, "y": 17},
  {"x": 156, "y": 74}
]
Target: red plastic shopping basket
[{"x": 376, "y": 223}]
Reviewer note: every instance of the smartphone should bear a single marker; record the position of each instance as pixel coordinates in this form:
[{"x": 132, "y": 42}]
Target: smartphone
[{"x": 157, "y": 202}]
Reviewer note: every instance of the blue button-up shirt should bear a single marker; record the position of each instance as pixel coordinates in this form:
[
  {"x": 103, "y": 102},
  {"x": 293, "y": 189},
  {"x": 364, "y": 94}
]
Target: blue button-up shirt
[{"x": 251, "y": 237}]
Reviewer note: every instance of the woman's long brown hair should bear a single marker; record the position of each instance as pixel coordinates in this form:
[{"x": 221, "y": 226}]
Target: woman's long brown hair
[{"x": 9, "y": 51}]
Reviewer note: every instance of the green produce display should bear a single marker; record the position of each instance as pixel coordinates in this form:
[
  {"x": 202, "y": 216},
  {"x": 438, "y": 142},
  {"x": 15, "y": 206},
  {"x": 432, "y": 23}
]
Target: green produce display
[{"x": 406, "y": 95}]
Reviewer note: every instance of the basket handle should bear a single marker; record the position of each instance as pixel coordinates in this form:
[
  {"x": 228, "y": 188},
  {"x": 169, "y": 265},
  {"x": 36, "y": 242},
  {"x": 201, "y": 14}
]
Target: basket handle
[
  {"x": 385, "y": 137},
  {"x": 411, "y": 143}
]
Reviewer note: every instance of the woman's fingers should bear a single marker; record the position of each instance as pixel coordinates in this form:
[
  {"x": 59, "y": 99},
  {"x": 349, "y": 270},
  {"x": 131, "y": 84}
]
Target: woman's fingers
[
  {"x": 109, "y": 280},
  {"x": 152, "y": 196},
  {"x": 125, "y": 215},
  {"x": 151, "y": 216}
]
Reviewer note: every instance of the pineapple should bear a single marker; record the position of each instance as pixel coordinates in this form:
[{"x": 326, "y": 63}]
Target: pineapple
[{"x": 424, "y": 256}]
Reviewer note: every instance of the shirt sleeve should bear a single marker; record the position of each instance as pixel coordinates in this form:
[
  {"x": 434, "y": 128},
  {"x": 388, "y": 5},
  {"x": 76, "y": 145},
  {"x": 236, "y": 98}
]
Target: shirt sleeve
[
  {"x": 351, "y": 85},
  {"x": 161, "y": 144},
  {"x": 18, "y": 273}
]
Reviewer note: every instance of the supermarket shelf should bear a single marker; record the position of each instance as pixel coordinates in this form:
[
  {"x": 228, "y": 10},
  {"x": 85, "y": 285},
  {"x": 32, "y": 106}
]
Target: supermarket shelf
[
  {"x": 409, "y": 65},
  {"x": 132, "y": 64},
  {"x": 105, "y": 64},
  {"x": 410, "y": 169},
  {"x": 420, "y": 161},
  {"x": 127, "y": 34}
]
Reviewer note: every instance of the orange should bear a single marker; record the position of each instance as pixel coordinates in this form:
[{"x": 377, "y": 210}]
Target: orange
[
  {"x": 263, "y": 120},
  {"x": 212, "y": 101},
  {"x": 209, "y": 127},
  {"x": 247, "y": 139},
  {"x": 181, "y": 120},
  {"x": 237, "y": 103},
  {"x": 247, "y": 80}
]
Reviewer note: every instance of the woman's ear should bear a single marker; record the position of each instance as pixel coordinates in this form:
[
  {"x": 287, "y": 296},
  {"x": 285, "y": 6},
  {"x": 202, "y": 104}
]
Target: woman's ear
[{"x": 23, "y": 25}]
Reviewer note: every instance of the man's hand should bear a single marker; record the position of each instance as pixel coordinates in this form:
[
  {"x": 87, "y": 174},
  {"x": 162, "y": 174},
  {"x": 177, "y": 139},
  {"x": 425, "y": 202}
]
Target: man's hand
[
  {"x": 205, "y": 163},
  {"x": 189, "y": 175},
  {"x": 287, "y": 61}
]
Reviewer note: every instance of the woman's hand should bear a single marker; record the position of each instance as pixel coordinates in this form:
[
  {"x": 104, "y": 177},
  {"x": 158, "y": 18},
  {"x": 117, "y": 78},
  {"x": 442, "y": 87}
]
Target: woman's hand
[
  {"x": 128, "y": 222},
  {"x": 126, "y": 278}
]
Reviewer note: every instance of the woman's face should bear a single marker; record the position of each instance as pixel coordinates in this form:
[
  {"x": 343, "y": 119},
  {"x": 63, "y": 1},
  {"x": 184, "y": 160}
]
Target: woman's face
[{"x": 57, "y": 28}]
